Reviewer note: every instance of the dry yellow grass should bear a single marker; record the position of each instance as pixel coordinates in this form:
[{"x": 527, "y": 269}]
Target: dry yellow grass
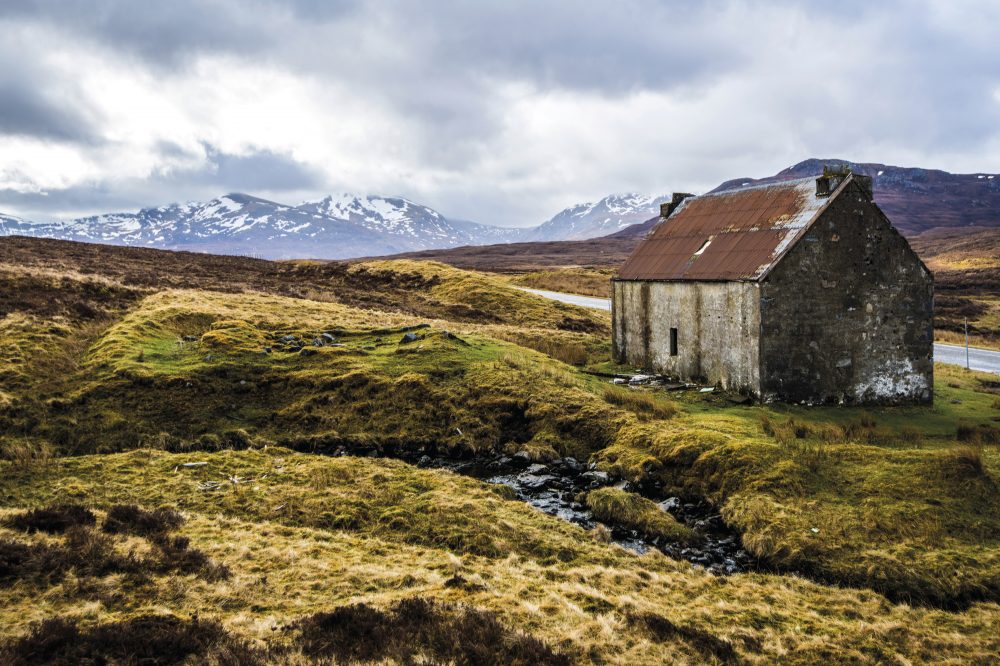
[
  {"x": 896, "y": 505},
  {"x": 288, "y": 561}
]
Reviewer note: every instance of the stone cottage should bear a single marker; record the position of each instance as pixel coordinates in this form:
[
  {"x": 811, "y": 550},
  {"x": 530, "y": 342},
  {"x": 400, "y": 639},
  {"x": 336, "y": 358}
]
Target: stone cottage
[{"x": 799, "y": 291}]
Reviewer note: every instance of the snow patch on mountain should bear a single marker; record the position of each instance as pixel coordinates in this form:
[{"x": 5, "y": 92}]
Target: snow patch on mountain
[
  {"x": 338, "y": 226},
  {"x": 600, "y": 218}
]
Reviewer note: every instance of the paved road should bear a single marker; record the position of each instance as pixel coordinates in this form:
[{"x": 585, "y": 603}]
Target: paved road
[
  {"x": 573, "y": 299},
  {"x": 985, "y": 360},
  {"x": 979, "y": 359}
]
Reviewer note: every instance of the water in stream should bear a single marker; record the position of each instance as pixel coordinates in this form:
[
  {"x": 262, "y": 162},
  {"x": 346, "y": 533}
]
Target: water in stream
[{"x": 555, "y": 487}]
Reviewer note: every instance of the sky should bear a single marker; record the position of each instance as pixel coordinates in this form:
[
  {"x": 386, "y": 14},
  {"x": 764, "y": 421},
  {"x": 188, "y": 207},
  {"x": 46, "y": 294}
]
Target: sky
[{"x": 502, "y": 112}]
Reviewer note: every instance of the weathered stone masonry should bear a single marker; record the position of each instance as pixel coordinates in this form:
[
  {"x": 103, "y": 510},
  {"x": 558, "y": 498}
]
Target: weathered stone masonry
[{"x": 810, "y": 295}]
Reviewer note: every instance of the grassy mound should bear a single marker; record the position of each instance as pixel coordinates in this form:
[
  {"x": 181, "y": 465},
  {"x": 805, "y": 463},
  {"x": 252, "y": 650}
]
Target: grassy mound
[
  {"x": 295, "y": 561},
  {"x": 311, "y": 375},
  {"x": 631, "y": 510},
  {"x": 487, "y": 298}
]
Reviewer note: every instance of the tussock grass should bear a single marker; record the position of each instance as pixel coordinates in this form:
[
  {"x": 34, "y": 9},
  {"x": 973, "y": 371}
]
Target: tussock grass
[
  {"x": 25, "y": 453},
  {"x": 561, "y": 346},
  {"x": 585, "y": 281},
  {"x": 707, "y": 643},
  {"x": 485, "y": 298},
  {"x": 91, "y": 553},
  {"x": 142, "y": 639},
  {"x": 618, "y": 506},
  {"x": 978, "y": 434},
  {"x": 51, "y": 520},
  {"x": 643, "y": 403},
  {"x": 965, "y": 461},
  {"x": 131, "y": 519},
  {"x": 418, "y": 628}
]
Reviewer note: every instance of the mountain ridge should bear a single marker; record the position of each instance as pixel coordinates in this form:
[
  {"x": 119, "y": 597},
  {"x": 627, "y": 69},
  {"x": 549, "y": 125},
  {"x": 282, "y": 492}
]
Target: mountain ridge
[
  {"x": 916, "y": 200},
  {"x": 346, "y": 225},
  {"x": 337, "y": 226}
]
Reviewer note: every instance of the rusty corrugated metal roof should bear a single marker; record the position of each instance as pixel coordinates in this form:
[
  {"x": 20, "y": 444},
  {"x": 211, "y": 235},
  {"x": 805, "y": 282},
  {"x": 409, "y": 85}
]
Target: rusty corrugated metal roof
[{"x": 731, "y": 235}]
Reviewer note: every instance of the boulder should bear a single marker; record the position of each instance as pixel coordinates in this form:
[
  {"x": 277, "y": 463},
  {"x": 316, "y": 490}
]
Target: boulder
[
  {"x": 572, "y": 464},
  {"x": 596, "y": 478},
  {"x": 670, "y": 504},
  {"x": 522, "y": 456},
  {"x": 534, "y": 481},
  {"x": 408, "y": 338}
]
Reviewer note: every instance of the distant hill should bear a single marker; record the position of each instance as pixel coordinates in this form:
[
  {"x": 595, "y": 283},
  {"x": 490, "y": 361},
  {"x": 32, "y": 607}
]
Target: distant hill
[
  {"x": 916, "y": 200},
  {"x": 344, "y": 226}
]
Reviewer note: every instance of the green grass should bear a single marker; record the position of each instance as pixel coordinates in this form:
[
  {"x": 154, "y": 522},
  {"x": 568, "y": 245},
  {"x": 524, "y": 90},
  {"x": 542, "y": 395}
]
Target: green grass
[
  {"x": 901, "y": 501},
  {"x": 630, "y": 510},
  {"x": 847, "y": 495},
  {"x": 902, "y": 516}
]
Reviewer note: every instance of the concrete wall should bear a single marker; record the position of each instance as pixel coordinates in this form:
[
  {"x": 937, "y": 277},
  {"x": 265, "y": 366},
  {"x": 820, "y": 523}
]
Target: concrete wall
[
  {"x": 847, "y": 315},
  {"x": 717, "y": 325}
]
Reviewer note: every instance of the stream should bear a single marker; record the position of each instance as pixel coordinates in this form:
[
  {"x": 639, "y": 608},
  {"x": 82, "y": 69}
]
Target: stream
[{"x": 554, "y": 488}]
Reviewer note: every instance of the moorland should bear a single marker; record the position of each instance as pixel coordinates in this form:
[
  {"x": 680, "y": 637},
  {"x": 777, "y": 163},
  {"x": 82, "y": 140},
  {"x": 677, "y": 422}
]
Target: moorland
[{"x": 208, "y": 458}]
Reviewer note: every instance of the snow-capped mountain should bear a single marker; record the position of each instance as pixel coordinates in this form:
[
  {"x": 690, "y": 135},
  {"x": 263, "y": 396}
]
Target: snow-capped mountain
[
  {"x": 334, "y": 227},
  {"x": 10, "y": 225},
  {"x": 420, "y": 226},
  {"x": 242, "y": 224},
  {"x": 591, "y": 220}
]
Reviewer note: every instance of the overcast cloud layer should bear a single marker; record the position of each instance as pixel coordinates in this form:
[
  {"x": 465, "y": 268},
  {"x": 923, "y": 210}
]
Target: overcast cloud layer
[{"x": 500, "y": 112}]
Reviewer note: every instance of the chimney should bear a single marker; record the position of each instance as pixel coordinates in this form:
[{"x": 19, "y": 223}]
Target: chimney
[
  {"x": 667, "y": 208},
  {"x": 833, "y": 176}
]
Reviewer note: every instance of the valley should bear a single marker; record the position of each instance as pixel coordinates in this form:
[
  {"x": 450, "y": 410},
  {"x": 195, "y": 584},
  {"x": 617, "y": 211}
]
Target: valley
[{"x": 366, "y": 460}]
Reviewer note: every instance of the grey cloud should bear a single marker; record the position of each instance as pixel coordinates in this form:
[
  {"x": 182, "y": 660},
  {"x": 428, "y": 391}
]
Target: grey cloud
[
  {"x": 260, "y": 172},
  {"x": 25, "y": 112},
  {"x": 898, "y": 77},
  {"x": 35, "y": 103},
  {"x": 263, "y": 170},
  {"x": 159, "y": 32}
]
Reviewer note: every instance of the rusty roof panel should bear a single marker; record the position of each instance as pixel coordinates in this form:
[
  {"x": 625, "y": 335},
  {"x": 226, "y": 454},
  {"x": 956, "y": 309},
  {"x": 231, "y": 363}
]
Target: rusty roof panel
[{"x": 746, "y": 231}]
